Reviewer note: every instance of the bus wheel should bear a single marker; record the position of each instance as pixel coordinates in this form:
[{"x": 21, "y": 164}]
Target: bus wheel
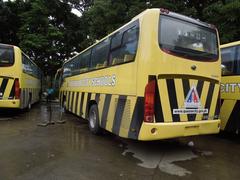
[{"x": 93, "y": 122}]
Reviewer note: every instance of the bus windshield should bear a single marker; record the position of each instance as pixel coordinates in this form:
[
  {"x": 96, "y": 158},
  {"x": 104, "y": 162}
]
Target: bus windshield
[
  {"x": 6, "y": 56},
  {"x": 188, "y": 40}
]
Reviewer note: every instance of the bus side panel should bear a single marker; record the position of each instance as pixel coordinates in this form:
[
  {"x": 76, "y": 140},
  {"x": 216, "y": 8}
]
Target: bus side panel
[
  {"x": 30, "y": 86},
  {"x": 119, "y": 114},
  {"x": 230, "y": 104}
]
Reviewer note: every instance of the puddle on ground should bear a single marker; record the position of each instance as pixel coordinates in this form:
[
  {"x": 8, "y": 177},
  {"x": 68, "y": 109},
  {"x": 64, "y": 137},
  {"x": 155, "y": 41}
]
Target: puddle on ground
[{"x": 164, "y": 158}]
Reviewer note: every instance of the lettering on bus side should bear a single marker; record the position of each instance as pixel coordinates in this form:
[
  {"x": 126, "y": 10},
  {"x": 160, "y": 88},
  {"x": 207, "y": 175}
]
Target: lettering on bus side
[
  {"x": 108, "y": 80},
  {"x": 230, "y": 87}
]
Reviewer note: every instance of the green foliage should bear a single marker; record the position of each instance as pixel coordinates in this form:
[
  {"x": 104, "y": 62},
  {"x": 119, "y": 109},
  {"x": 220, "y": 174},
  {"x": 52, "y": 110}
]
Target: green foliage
[
  {"x": 50, "y": 33},
  {"x": 226, "y": 17}
]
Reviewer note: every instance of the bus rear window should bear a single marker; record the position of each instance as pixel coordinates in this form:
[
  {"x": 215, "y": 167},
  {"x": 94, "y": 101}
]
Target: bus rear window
[
  {"x": 6, "y": 56},
  {"x": 188, "y": 40}
]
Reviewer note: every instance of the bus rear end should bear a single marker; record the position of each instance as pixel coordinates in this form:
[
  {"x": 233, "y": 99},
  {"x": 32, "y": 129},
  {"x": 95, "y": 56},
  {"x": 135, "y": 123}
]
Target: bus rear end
[
  {"x": 181, "y": 96},
  {"x": 9, "y": 79}
]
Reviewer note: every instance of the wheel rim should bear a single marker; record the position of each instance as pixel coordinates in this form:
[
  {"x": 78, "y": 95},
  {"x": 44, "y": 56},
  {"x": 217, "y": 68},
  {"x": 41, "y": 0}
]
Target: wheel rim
[{"x": 92, "y": 119}]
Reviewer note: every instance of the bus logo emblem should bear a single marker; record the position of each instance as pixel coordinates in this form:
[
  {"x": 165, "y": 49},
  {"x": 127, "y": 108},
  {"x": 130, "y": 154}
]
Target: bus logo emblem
[
  {"x": 192, "y": 104},
  {"x": 192, "y": 99}
]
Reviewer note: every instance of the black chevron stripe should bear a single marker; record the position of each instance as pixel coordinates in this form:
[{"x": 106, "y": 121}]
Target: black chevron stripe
[
  {"x": 218, "y": 106},
  {"x": 106, "y": 106},
  {"x": 12, "y": 93},
  {"x": 173, "y": 98},
  {"x": 88, "y": 100},
  {"x": 81, "y": 104},
  {"x": 209, "y": 98},
  {"x": 3, "y": 87},
  {"x": 118, "y": 114},
  {"x": 233, "y": 123},
  {"x": 137, "y": 119},
  {"x": 158, "y": 106}
]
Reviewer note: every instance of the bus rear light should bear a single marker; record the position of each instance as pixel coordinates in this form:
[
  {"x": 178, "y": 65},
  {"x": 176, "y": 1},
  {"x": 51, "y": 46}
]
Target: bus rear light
[
  {"x": 149, "y": 102},
  {"x": 17, "y": 89}
]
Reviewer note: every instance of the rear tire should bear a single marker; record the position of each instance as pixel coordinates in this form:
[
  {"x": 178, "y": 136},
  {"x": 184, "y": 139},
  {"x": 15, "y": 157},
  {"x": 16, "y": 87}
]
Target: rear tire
[{"x": 93, "y": 122}]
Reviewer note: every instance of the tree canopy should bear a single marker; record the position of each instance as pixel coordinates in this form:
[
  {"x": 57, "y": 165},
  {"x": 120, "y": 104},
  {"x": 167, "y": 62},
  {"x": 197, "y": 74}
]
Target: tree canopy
[{"x": 50, "y": 33}]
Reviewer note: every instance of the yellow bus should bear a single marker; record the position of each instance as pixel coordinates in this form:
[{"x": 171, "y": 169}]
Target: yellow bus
[
  {"x": 156, "y": 77},
  {"x": 230, "y": 87},
  {"x": 20, "y": 79}
]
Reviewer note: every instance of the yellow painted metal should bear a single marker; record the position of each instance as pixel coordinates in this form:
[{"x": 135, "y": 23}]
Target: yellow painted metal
[
  {"x": 9, "y": 103},
  {"x": 230, "y": 92},
  {"x": 181, "y": 129},
  {"x": 26, "y": 81},
  {"x": 130, "y": 80},
  {"x": 226, "y": 110}
]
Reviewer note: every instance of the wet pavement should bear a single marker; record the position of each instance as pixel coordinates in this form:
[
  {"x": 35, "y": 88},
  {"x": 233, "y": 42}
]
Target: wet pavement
[{"x": 32, "y": 148}]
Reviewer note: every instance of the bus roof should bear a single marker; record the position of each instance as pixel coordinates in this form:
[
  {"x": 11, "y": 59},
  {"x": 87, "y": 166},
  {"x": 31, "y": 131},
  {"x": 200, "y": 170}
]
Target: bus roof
[
  {"x": 6, "y": 45},
  {"x": 230, "y": 44}
]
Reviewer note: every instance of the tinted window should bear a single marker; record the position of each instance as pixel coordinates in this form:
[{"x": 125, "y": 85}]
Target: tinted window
[
  {"x": 85, "y": 61},
  {"x": 228, "y": 60},
  {"x": 30, "y": 68},
  {"x": 67, "y": 70},
  {"x": 116, "y": 40},
  {"x": 27, "y": 66},
  {"x": 74, "y": 65},
  {"x": 77, "y": 65},
  {"x": 238, "y": 59},
  {"x": 6, "y": 56},
  {"x": 100, "y": 54},
  {"x": 127, "y": 51},
  {"x": 122, "y": 46},
  {"x": 187, "y": 39}
]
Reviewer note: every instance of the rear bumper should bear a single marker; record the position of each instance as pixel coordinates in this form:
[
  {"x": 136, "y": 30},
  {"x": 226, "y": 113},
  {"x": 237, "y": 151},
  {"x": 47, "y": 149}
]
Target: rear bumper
[
  {"x": 9, "y": 103},
  {"x": 157, "y": 131}
]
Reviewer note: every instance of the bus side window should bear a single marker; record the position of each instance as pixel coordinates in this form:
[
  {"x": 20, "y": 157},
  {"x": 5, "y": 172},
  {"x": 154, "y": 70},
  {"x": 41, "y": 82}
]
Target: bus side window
[
  {"x": 100, "y": 54},
  {"x": 74, "y": 66},
  {"x": 228, "y": 59},
  {"x": 127, "y": 51},
  {"x": 115, "y": 51},
  {"x": 130, "y": 42},
  {"x": 238, "y": 59},
  {"x": 84, "y": 61},
  {"x": 66, "y": 70},
  {"x": 27, "y": 65}
]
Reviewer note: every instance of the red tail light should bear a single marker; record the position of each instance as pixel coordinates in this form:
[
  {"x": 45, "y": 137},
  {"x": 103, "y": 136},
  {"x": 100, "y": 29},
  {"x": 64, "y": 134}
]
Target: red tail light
[
  {"x": 17, "y": 89},
  {"x": 149, "y": 102}
]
